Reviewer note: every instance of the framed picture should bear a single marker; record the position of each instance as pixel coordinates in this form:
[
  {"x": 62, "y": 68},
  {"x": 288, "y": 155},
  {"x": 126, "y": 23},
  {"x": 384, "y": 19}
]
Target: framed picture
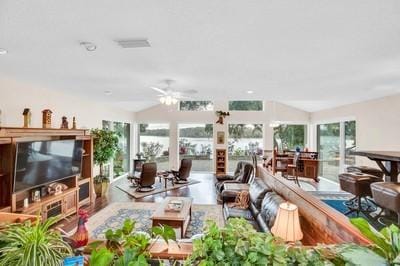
[{"x": 220, "y": 137}]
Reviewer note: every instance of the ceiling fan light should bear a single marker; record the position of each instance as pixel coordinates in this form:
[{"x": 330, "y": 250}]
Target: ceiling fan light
[
  {"x": 162, "y": 100},
  {"x": 168, "y": 100},
  {"x": 174, "y": 100}
]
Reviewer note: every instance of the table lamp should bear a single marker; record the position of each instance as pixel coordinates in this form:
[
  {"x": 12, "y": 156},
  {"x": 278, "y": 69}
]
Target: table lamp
[{"x": 287, "y": 224}]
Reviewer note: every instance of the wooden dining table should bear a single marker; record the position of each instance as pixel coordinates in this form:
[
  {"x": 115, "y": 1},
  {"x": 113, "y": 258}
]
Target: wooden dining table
[{"x": 388, "y": 162}]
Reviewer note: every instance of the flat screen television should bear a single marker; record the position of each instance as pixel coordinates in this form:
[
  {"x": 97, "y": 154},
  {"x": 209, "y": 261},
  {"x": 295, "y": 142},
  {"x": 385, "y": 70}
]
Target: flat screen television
[{"x": 38, "y": 163}]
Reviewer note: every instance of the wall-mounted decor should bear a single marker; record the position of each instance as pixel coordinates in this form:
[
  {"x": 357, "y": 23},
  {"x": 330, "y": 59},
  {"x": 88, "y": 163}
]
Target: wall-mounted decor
[
  {"x": 27, "y": 117},
  {"x": 221, "y": 115},
  {"x": 64, "y": 122},
  {"x": 220, "y": 137},
  {"x": 46, "y": 118}
]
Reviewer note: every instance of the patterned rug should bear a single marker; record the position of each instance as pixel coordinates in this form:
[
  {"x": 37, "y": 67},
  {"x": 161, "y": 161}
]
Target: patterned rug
[
  {"x": 159, "y": 188},
  {"x": 114, "y": 215}
]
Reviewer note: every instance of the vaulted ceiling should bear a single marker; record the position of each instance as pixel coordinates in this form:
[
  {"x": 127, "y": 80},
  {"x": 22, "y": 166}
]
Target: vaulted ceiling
[{"x": 310, "y": 54}]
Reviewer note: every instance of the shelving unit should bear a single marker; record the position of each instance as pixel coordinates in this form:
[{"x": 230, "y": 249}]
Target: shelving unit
[
  {"x": 80, "y": 188},
  {"x": 220, "y": 162}
]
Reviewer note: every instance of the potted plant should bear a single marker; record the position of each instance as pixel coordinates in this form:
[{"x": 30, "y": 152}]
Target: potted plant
[
  {"x": 105, "y": 144},
  {"x": 33, "y": 244}
]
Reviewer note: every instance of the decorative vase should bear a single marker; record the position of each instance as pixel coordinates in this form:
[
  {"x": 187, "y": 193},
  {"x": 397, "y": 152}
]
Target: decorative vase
[
  {"x": 81, "y": 236},
  {"x": 101, "y": 189}
]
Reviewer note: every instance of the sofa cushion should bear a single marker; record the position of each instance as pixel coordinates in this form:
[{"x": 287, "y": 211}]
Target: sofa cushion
[
  {"x": 269, "y": 207},
  {"x": 257, "y": 191},
  {"x": 237, "y": 213}
]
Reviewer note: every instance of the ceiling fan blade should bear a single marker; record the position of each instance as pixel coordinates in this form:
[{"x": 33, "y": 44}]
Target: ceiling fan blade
[
  {"x": 159, "y": 90},
  {"x": 190, "y": 91}
]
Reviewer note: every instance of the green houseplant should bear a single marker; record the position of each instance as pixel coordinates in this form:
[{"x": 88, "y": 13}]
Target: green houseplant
[
  {"x": 33, "y": 244},
  {"x": 105, "y": 144}
]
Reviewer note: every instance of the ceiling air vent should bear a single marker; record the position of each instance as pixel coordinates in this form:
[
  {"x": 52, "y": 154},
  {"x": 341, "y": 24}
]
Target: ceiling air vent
[{"x": 133, "y": 43}]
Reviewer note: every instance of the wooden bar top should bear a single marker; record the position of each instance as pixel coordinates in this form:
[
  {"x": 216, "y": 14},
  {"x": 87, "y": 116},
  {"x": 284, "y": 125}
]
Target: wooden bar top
[{"x": 379, "y": 155}]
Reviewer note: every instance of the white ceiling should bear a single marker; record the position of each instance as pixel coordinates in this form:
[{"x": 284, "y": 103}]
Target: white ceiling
[{"x": 308, "y": 54}]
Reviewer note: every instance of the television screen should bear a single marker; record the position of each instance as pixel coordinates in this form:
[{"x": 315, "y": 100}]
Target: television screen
[{"x": 41, "y": 162}]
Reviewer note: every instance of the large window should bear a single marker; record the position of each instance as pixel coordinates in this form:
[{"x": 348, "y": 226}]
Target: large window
[
  {"x": 350, "y": 142},
  {"x": 122, "y": 157},
  {"x": 196, "y": 143},
  {"x": 154, "y": 144},
  {"x": 335, "y": 142},
  {"x": 245, "y": 105},
  {"x": 243, "y": 141},
  {"x": 119, "y": 165},
  {"x": 328, "y": 138},
  {"x": 289, "y": 137},
  {"x": 196, "y": 106}
]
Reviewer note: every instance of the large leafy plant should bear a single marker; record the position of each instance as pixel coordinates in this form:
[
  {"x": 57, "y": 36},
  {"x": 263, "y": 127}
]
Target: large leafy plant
[
  {"x": 386, "y": 243},
  {"x": 33, "y": 244},
  {"x": 239, "y": 244},
  {"x": 105, "y": 144}
]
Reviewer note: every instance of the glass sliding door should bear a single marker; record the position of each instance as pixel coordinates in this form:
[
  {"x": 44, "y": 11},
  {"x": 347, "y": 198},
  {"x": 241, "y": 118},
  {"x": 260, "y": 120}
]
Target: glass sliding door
[
  {"x": 122, "y": 156},
  {"x": 350, "y": 142},
  {"x": 243, "y": 141},
  {"x": 328, "y": 144},
  {"x": 289, "y": 137},
  {"x": 196, "y": 143},
  {"x": 154, "y": 144}
]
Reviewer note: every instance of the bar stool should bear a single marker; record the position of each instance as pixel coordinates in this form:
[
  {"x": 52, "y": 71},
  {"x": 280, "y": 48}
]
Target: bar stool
[
  {"x": 365, "y": 170},
  {"x": 387, "y": 195},
  {"x": 358, "y": 184}
]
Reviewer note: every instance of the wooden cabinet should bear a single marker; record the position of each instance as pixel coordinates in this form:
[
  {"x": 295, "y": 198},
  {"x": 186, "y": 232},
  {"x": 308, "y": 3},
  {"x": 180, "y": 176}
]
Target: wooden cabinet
[
  {"x": 220, "y": 162},
  {"x": 80, "y": 188}
]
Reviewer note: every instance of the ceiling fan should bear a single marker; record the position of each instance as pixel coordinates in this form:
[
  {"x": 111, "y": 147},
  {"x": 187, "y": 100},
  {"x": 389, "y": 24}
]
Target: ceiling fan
[{"x": 170, "y": 96}]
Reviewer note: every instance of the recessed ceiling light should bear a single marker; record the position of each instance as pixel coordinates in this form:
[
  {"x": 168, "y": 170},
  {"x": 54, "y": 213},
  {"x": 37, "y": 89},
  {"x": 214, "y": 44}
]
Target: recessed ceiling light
[
  {"x": 250, "y": 92},
  {"x": 107, "y": 93},
  {"x": 89, "y": 46},
  {"x": 3, "y": 51}
]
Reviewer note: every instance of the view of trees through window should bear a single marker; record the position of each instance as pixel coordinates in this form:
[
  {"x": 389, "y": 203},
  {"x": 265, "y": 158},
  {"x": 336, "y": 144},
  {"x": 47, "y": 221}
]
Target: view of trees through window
[
  {"x": 154, "y": 144},
  {"x": 350, "y": 142},
  {"x": 245, "y": 105},
  {"x": 243, "y": 141},
  {"x": 122, "y": 156},
  {"x": 196, "y": 106},
  {"x": 196, "y": 143},
  {"x": 121, "y": 161},
  {"x": 288, "y": 137},
  {"x": 328, "y": 138}
]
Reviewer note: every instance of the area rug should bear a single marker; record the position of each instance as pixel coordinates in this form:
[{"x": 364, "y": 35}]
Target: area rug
[
  {"x": 115, "y": 214},
  {"x": 159, "y": 188}
]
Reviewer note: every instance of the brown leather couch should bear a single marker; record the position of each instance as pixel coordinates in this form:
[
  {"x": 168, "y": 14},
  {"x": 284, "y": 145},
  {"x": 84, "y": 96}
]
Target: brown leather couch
[{"x": 263, "y": 206}]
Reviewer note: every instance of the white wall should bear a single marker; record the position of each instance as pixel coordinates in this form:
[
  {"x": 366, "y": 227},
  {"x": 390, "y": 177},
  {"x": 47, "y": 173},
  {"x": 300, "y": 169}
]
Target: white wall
[
  {"x": 171, "y": 115},
  {"x": 15, "y": 96},
  {"x": 377, "y": 123}
]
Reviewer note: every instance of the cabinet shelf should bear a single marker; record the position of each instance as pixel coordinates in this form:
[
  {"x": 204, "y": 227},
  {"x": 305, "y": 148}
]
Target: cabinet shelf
[{"x": 220, "y": 166}]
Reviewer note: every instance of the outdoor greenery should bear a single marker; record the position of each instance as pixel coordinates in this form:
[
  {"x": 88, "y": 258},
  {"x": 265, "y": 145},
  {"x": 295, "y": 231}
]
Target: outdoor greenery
[
  {"x": 238, "y": 131},
  {"x": 196, "y": 106},
  {"x": 245, "y": 105},
  {"x": 121, "y": 158},
  {"x": 33, "y": 244},
  {"x": 288, "y": 137},
  {"x": 105, "y": 144},
  {"x": 151, "y": 150}
]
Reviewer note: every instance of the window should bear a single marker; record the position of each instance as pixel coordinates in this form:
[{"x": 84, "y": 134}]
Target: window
[
  {"x": 350, "y": 142},
  {"x": 154, "y": 144},
  {"x": 243, "y": 141},
  {"x": 196, "y": 143},
  {"x": 122, "y": 157},
  {"x": 245, "y": 105},
  {"x": 119, "y": 165},
  {"x": 196, "y": 106},
  {"x": 335, "y": 142},
  {"x": 288, "y": 137},
  {"x": 328, "y": 139}
]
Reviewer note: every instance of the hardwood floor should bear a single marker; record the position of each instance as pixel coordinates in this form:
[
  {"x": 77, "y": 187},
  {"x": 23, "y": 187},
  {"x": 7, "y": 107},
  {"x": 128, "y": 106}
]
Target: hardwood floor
[{"x": 202, "y": 193}]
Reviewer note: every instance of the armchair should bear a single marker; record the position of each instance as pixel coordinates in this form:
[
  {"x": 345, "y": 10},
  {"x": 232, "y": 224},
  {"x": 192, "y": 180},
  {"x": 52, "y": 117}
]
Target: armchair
[
  {"x": 181, "y": 176},
  {"x": 245, "y": 176},
  {"x": 147, "y": 178}
]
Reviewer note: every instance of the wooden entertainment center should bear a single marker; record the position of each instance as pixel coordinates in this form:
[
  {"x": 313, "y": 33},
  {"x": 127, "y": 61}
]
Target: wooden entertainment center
[{"x": 80, "y": 188}]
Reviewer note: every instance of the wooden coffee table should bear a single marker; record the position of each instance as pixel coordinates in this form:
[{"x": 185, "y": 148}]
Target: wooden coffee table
[{"x": 179, "y": 219}]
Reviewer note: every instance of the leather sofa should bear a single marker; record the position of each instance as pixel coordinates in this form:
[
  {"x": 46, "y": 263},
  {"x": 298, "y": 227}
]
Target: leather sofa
[{"x": 263, "y": 206}]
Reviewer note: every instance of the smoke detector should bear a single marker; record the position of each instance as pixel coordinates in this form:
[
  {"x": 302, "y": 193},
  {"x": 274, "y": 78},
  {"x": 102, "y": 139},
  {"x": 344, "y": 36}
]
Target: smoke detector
[{"x": 133, "y": 43}]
